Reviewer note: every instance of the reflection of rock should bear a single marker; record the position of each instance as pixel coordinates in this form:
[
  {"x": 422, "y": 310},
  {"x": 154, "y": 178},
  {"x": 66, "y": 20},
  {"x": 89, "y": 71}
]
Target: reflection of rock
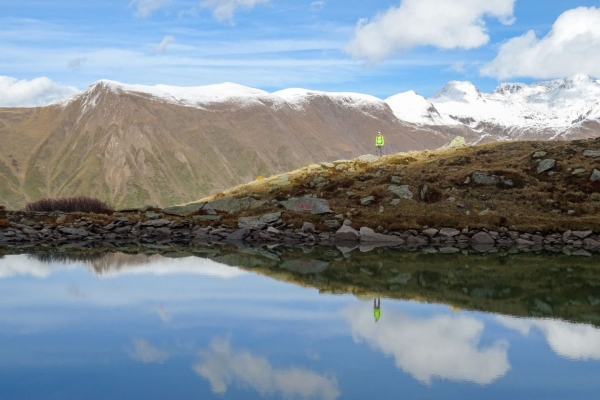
[
  {"x": 305, "y": 266},
  {"x": 222, "y": 367},
  {"x": 445, "y": 347}
]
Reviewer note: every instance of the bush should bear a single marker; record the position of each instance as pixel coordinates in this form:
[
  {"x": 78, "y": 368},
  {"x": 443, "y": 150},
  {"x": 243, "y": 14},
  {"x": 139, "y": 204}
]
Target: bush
[
  {"x": 4, "y": 223},
  {"x": 71, "y": 204}
]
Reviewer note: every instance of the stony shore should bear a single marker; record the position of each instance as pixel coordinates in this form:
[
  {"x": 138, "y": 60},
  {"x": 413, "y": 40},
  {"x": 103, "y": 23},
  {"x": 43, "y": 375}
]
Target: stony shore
[{"x": 53, "y": 230}]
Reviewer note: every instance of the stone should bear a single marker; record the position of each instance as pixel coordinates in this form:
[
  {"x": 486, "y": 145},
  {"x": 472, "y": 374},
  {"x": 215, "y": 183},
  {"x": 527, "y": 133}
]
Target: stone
[
  {"x": 309, "y": 227},
  {"x": 449, "y": 232},
  {"x": 401, "y": 279},
  {"x": 347, "y": 234},
  {"x": 539, "y": 154},
  {"x": 424, "y": 193},
  {"x": 367, "y": 158},
  {"x": 327, "y": 165},
  {"x": 430, "y": 232},
  {"x": 281, "y": 181},
  {"x": 318, "y": 182},
  {"x": 341, "y": 167},
  {"x": 156, "y": 223},
  {"x": 351, "y": 170},
  {"x": 543, "y": 306},
  {"x": 451, "y": 199},
  {"x": 546, "y": 165},
  {"x": 305, "y": 266},
  {"x": 185, "y": 210},
  {"x": 61, "y": 220},
  {"x": 307, "y": 205},
  {"x": 368, "y": 235},
  {"x": 591, "y": 243},
  {"x": 524, "y": 242},
  {"x": 395, "y": 202},
  {"x": 73, "y": 231},
  {"x": 581, "y": 253},
  {"x": 581, "y": 234},
  {"x": 578, "y": 171},
  {"x": 347, "y": 222},
  {"x": 238, "y": 235},
  {"x": 396, "y": 179},
  {"x": 273, "y": 231},
  {"x": 591, "y": 153},
  {"x": 332, "y": 223},
  {"x": 484, "y": 212},
  {"x": 482, "y": 238},
  {"x": 402, "y": 191},
  {"x": 151, "y": 215},
  {"x": 457, "y": 142},
  {"x": 365, "y": 201},
  {"x": 482, "y": 178},
  {"x": 467, "y": 180},
  {"x": 258, "y": 222},
  {"x": 207, "y": 217},
  {"x": 449, "y": 250},
  {"x": 234, "y": 205},
  {"x": 595, "y": 176}
]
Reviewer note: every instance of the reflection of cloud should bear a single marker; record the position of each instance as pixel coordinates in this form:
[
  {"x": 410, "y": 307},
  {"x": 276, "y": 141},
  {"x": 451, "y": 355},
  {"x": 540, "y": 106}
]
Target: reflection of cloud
[
  {"x": 445, "y": 346},
  {"x": 162, "y": 314},
  {"x": 75, "y": 291},
  {"x": 146, "y": 353},
  {"x": 573, "y": 341},
  {"x": 22, "y": 265},
  {"x": 222, "y": 366}
]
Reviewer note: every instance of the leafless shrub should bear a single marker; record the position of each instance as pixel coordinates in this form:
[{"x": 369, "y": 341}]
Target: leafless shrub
[{"x": 71, "y": 204}]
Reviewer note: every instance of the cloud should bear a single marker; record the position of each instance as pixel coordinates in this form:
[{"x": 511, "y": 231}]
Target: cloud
[
  {"x": 21, "y": 265},
  {"x": 37, "y": 92},
  {"x": 446, "y": 24},
  {"x": 167, "y": 40},
  {"x": 571, "y": 47},
  {"x": 146, "y": 353},
  {"x": 146, "y": 7},
  {"x": 222, "y": 366},
  {"x": 163, "y": 314},
  {"x": 445, "y": 347},
  {"x": 223, "y": 10},
  {"x": 317, "y": 5},
  {"x": 572, "y": 341},
  {"x": 76, "y": 63}
]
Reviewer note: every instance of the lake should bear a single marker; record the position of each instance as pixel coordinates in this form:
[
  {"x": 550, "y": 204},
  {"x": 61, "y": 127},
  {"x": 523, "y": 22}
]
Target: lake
[{"x": 292, "y": 323}]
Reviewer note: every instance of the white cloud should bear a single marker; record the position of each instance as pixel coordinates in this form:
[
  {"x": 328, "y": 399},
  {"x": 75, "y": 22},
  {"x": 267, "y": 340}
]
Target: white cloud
[
  {"x": 167, "y": 40},
  {"x": 223, "y": 366},
  {"x": 76, "y": 63},
  {"x": 224, "y": 9},
  {"x": 571, "y": 47},
  {"x": 146, "y": 7},
  {"x": 317, "y": 5},
  {"x": 572, "y": 341},
  {"x": 445, "y": 346},
  {"x": 34, "y": 93},
  {"x": 21, "y": 265},
  {"x": 146, "y": 353},
  {"x": 446, "y": 24}
]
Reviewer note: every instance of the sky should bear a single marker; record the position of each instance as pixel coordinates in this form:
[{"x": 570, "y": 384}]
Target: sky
[{"x": 51, "y": 49}]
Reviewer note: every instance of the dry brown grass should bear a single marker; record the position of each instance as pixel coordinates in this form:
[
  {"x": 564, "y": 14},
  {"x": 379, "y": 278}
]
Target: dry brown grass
[
  {"x": 70, "y": 205},
  {"x": 4, "y": 223}
]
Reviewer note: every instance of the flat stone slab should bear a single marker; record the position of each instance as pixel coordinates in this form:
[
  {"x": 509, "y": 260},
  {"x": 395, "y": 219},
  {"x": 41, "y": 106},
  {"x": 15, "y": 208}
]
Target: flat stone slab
[
  {"x": 307, "y": 205},
  {"x": 546, "y": 165},
  {"x": 233, "y": 205},
  {"x": 401, "y": 191},
  {"x": 591, "y": 153},
  {"x": 368, "y": 235},
  {"x": 449, "y": 232},
  {"x": 185, "y": 210}
]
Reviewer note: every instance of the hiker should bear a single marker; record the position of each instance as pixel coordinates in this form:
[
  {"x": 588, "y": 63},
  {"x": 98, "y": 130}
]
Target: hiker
[
  {"x": 377, "y": 309},
  {"x": 379, "y": 142}
]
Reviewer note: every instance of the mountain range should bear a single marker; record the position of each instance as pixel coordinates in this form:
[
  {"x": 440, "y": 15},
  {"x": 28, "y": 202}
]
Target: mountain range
[{"x": 132, "y": 145}]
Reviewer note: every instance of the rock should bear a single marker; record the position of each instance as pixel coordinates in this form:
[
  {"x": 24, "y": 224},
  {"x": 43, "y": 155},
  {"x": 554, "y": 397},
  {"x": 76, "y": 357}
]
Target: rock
[
  {"x": 280, "y": 181},
  {"x": 402, "y": 191},
  {"x": 457, "y": 142},
  {"x": 539, "y": 154},
  {"x": 310, "y": 227},
  {"x": 546, "y": 165},
  {"x": 273, "y": 231},
  {"x": 185, "y": 210},
  {"x": 395, "y": 202},
  {"x": 367, "y": 158},
  {"x": 156, "y": 223},
  {"x": 566, "y": 235},
  {"x": 332, "y": 223},
  {"x": 578, "y": 171},
  {"x": 482, "y": 178},
  {"x": 61, "y": 220},
  {"x": 581, "y": 253},
  {"x": 327, "y": 165},
  {"x": 305, "y": 266},
  {"x": 594, "y": 301},
  {"x": 234, "y": 205},
  {"x": 484, "y": 212},
  {"x": 207, "y": 217},
  {"x": 482, "y": 238},
  {"x": 258, "y": 222},
  {"x": 238, "y": 235},
  {"x": 401, "y": 279},
  {"x": 318, "y": 182},
  {"x": 365, "y": 201},
  {"x": 351, "y": 170},
  {"x": 591, "y": 153},
  {"x": 307, "y": 205},
  {"x": 451, "y": 199},
  {"x": 424, "y": 192},
  {"x": 595, "y": 176},
  {"x": 366, "y": 271},
  {"x": 347, "y": 222},
  {"x": 543, "y": 306},
  {"x": 151, "y": 215},
  {"x": 430, "y": 232},
  {"x": 347, "y": 234},
  {"x": 524, "y": 242},
  {"x": 582, "y": 234},
  {"x": 396, "y": 179},
  {"x": 591, "y": 243},
  {"x": 449, "y": 250},
  {"x": 341, "y": 167},
  {"x": 449, "y": 232},
  {"x": 467, "y": 180},
  {"x": 368, "y": 235},
  {"x": 74, "y": 231}
]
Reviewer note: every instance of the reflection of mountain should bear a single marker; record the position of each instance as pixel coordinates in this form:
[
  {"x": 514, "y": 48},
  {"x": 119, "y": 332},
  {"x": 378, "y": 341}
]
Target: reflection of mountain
[
  {"x": 446, "y": 347},
  {"x": 523, "y": 285},
  {"x": 572, "y": 341},
  {"x": 223, "y": 366}
]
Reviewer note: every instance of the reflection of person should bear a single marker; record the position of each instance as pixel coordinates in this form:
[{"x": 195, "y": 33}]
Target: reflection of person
[
  {"x": 377, "y": 309},
  {"x": 379, "y": 142}
]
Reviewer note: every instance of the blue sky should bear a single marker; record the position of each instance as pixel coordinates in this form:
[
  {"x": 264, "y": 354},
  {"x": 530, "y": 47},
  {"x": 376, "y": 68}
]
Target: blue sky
[{"x": 274, "y": 44}]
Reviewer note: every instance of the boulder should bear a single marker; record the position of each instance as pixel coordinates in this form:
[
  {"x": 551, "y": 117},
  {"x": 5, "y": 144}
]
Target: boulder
[
  {"x": 396, "y": 179},
  {"x": 367, "y": 158},
  {"x": 402, "y": 191},
  {"x": 365, "y": 201},
  {"x": 185, "y": 210},
  {"x": 595, "y": 176},
  {"x": 347, "y": 234},
  {"x": 482, "y": 238},
  {"x": 449, "y": 232},
  {"x": 368, "y": 235},
  {"x": 539, "y": 154},
  {"x": 238, "y": 235},
  {"x": 234, "y": 205},
  {"x": 591, "y": 153},
  {"x": 582, "y": 234},
  {"x": 156, "y": 223},
  {"x": 307, "y": 205},
  {"x": 546, "y": 165},
  {"x": 482, "y": 178}
]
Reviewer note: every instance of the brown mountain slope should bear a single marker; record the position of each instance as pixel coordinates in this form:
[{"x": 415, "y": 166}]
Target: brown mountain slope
[{"x": 130, "y": 149}]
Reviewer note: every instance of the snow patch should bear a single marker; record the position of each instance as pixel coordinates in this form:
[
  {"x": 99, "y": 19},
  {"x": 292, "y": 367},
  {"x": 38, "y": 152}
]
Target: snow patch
[{"x": 411, "y": 107}]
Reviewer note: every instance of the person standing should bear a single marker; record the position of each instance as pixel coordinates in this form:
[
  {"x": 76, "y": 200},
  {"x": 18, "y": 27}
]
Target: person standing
[{"x": 379, "y": 142}]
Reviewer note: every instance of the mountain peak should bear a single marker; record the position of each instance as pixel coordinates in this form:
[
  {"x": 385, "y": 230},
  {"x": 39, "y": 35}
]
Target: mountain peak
[{"x": 463, "y": 91}]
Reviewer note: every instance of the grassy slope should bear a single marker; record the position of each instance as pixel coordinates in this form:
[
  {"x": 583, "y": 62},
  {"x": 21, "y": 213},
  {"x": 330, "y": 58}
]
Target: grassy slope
[{"x": 452, "y": 202}]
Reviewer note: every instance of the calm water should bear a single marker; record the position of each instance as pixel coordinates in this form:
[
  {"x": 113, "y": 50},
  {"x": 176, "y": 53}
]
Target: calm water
[{"x": 137, "y": 327}]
